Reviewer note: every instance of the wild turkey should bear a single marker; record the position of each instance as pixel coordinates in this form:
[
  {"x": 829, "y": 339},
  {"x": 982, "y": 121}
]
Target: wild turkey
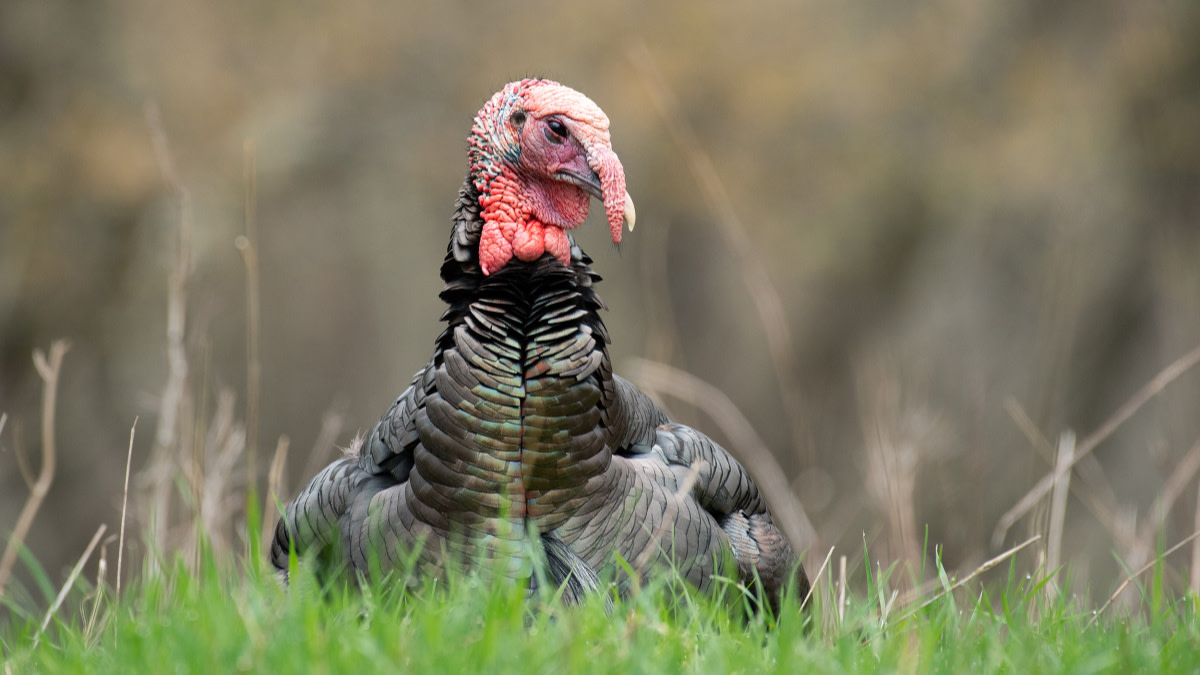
[{"x": 517, "y": 442}]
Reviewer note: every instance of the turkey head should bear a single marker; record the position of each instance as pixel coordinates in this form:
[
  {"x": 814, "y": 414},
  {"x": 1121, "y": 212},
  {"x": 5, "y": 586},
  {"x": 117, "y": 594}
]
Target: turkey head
[{"x": 538, "y": 152}]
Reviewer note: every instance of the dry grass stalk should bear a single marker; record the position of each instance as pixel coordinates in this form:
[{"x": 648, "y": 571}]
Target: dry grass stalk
[
  {"x": 89, "y": 627},
  {"x": 205, "y": 451},
  {"x": 1099, "y": 496},
  {"x": 125, "y": 506},
  {"x": 1100, "y": 499},
  {"x": 1026, "y": 425},
  {"x": 1058, "y": 508},
  {"x": 62, "y": 593},
  {"x": 225, "y": 443},
  {"x": 1195, "y": 536},
  {"x": 3, "y": 421},
  {"x": 248, "y": 246},
  {"x": 1171, "y": 491},
  {"x": 192, "y": 445},
  {"x": 173, "y": 404},
  {"x": 1147, "y": 392},
  {"x": 987, "y": 565},
  {"x": 895, "y": 433},
  {"x": 1195, "y": 580},
  {"x": 841, "y": 599},
  {"x": 746, "y": 444},
  {"x": 817, "y": 578},
  {"x": 1141, "y": 546},
  {"x": 274, "y": 487},
  {"x": 754, "y": 274},
  {"x": 48, "y": 368}
]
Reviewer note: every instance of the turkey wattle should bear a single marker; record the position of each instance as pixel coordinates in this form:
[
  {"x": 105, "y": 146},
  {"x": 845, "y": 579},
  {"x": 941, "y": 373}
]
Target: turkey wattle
[{"x": 517, "y": 443}]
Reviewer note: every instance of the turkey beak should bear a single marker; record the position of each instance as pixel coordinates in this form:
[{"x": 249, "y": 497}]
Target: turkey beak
[{"x": 591, "y": 184}]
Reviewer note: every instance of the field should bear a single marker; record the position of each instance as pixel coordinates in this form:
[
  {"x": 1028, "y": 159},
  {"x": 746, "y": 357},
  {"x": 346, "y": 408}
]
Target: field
[{"x": 212, "y": 619}]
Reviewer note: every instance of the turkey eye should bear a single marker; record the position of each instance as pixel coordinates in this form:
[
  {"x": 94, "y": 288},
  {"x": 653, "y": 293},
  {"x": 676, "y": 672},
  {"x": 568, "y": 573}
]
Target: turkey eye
[
  {"x": 559, "y": 130},
  {"x": 518, "y": 118}
]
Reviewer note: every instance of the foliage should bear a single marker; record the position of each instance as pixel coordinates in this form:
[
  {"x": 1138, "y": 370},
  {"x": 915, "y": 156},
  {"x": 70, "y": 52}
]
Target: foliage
[{"x": 219, "y": 621}]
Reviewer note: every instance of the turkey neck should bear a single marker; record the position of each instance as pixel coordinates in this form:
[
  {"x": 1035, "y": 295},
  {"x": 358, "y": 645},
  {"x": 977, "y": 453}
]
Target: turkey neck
[{"x": 522, "y": 381}]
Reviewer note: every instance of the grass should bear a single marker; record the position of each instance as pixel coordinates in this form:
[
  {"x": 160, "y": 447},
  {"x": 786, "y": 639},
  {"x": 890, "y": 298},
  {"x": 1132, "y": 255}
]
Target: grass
[{"x": 218, "y": 619}]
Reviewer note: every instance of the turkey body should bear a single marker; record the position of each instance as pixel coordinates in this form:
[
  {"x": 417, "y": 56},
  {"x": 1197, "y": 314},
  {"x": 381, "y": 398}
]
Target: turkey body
[{"x": 517, "y": 449}]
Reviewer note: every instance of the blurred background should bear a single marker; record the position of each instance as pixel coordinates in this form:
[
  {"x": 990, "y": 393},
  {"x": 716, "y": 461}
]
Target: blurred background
[{"x": 912, "y": 243}]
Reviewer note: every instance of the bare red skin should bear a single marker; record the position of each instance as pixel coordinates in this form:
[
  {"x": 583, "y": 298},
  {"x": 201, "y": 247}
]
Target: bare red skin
[
  {"x": 517, "y": 153},
  {"x": 525, "y": 218}
]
